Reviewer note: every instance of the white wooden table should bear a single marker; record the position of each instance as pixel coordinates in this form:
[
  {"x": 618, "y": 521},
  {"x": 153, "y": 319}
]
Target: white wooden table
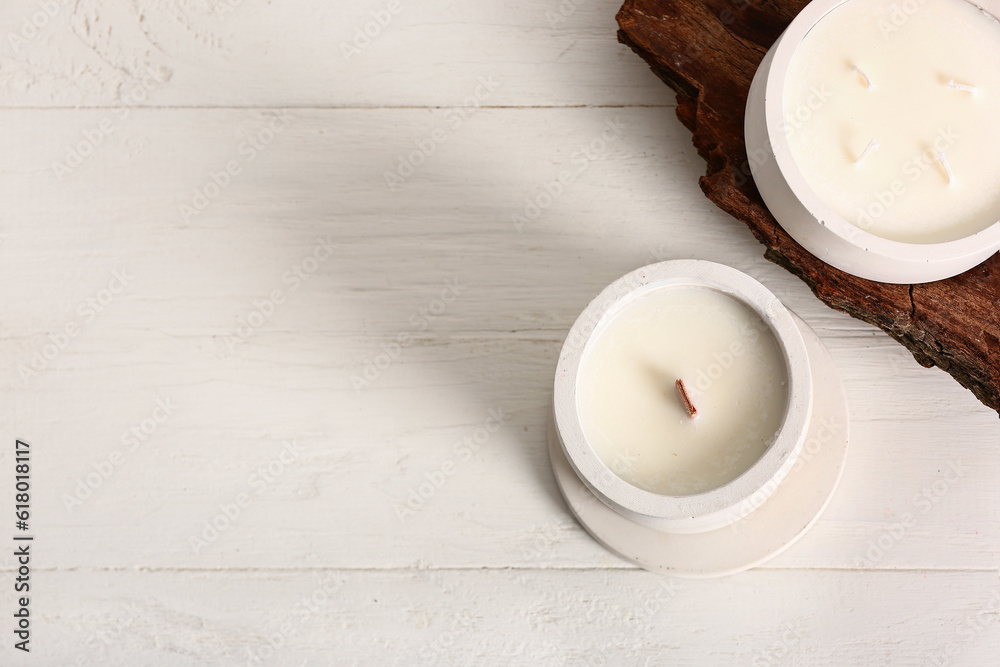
[{"x": 262, "y": 387}]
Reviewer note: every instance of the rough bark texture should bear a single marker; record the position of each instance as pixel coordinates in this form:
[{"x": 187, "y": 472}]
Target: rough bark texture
[{"x": 708, "y": 51}]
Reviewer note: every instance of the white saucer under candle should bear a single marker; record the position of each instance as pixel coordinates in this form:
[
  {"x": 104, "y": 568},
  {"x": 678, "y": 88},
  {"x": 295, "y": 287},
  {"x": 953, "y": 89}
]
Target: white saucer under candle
[
  {"x": 872, "y": 135},
  {"x": 671, "y": 461}
]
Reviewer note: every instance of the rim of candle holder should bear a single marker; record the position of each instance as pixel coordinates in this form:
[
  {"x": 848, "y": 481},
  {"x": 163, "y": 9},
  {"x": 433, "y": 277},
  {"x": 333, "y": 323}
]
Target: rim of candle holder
[
  {"x": 733, "y": 500},
  {"x": 788, "y": 514},
  {"x": 810, "y": 220}
]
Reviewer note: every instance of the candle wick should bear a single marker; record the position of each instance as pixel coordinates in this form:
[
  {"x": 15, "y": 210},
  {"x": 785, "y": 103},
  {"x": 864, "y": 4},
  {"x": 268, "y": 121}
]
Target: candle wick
[
  {"x": 872, "y": 145},
  {"x": 686, "y": 399},
  {"x": 954, "y": 85},
  {"x": 945, "y": 166},
  {"x": 868, "y": 81}
]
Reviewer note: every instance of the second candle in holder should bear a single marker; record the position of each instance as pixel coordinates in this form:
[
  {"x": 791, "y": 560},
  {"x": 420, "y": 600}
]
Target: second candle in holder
[{"x": 670, "y": 345}]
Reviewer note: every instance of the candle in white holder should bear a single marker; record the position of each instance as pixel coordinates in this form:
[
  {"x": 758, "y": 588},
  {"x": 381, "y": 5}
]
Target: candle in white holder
[
  {"x": 631, "y": 409},
  {"x": 624, "y": 425},
  {"x": 892, "y": 117},
  {"x": 872, "y": 135},
  {"x": 721, "y": 481}
]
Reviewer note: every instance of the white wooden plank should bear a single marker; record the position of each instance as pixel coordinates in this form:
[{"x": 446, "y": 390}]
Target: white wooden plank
[
  {"x": 471, "y": 617},
  {"x": 180, "y": 417},
  {"x": 169, "y": 336},
  {"x": 315, "y": 53}
]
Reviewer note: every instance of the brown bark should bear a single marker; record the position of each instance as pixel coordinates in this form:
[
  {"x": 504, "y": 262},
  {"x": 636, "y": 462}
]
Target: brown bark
[{"x": 708, "y": 51}]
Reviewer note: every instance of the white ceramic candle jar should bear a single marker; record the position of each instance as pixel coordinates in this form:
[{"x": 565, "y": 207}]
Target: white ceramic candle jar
[
  {"x": 872, "y": 135},
  {"x": 623, "y": 421},
  {"x": 683, "y": 402}
]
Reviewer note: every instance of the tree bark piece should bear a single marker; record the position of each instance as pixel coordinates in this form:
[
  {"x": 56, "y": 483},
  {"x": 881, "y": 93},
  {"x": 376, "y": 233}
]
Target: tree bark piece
[{"x": 708, "y": 51}]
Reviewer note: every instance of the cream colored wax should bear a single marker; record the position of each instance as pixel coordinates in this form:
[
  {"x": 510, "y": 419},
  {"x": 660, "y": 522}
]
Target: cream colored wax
[
  {"x": 891, "y": 110},
  {"x": 630, "y": 410}
]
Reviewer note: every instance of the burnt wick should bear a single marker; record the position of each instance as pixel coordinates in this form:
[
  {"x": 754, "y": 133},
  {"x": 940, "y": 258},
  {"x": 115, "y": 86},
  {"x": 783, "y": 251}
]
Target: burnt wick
[{"x": 686, "y": 399}]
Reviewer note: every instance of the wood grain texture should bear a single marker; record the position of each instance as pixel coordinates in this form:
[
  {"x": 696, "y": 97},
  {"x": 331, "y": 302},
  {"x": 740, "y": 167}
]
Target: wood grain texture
[
  {"x": 253, "y": 53},
  {"x": 169, "y": 336},
  {"x": 510, "y": 617},
  {"x": 708, "y": 51},
  {"x": 491, "y": 569}
]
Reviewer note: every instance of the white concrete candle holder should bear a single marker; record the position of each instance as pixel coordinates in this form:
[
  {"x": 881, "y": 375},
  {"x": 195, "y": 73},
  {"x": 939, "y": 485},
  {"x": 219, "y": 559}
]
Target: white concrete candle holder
[
  {"x": 663, "y": 531},
  {"x": 812, "y": 221}
]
